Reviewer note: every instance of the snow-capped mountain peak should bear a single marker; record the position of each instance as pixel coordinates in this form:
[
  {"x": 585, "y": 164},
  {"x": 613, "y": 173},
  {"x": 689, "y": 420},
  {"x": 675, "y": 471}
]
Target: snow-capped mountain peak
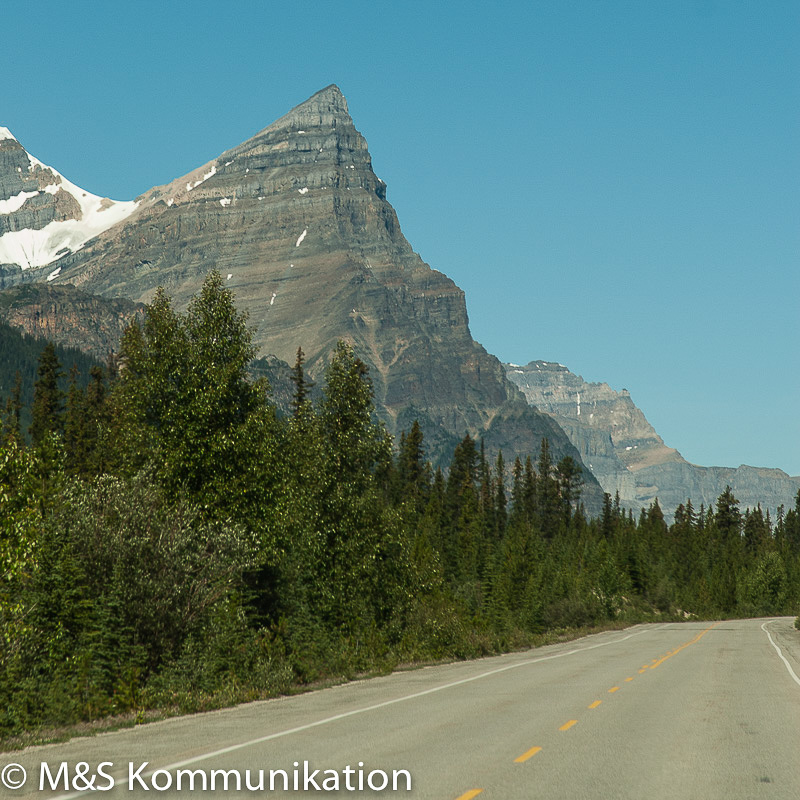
[{"x": 43, "y": 216}]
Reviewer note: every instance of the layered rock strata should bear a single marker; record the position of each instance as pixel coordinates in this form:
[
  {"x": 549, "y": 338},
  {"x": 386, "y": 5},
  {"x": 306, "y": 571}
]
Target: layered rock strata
[{"x": 626, "y": 454}]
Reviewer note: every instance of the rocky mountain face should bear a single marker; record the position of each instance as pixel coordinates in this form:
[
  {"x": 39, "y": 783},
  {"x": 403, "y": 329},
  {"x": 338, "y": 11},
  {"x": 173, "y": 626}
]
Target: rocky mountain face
[
  {"x": 68, "y": 316},
  {"x": 298, "y": 224},
  {"x": 43, "y": 215},
  {"x": 627, "y": 455}
]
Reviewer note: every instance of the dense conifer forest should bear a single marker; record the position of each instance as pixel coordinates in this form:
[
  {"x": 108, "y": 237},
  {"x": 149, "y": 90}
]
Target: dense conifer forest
[
  {"x": 19, "y": 355},
  {"x": 168, "y": 540}
]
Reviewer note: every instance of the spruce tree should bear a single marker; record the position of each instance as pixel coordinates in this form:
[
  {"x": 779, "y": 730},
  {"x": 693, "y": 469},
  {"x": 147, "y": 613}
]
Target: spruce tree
[
  {"x": 500, "y": 500},
  {"x": 302, "y": 385},
  {"x": 547, "y": 494},
  {"x": 413, "y": 473},
  {"x": 48, "y": 398},
  {"x": 12, "y": 429},
  {"x": 76, "y": 426},
  {"x": 570, "y": 480}
]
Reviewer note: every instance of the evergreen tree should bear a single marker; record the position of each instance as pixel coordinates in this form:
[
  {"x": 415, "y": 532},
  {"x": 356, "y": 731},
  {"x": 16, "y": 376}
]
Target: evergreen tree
[
  {"x": 302, "y": 386},
  {"x": 97, "y": 411},
  {"x": 728, "y": 518},
  {"x": 12, "y": 426},
  {"x": 48, "y": 398},
  {"x": 413, "y": 474},
  {"x": 518, "y": 509},
  {"x": 500, "y": 500},
  {"x": 76, "y": 427},
  {"x": 570, "y": 480},
  {"x": 462, "y": 476},
  {"x": 547, "y": 493}
]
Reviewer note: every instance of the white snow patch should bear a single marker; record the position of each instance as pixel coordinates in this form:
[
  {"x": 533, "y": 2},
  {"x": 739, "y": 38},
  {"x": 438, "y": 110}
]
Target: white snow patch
[
  {"x": 261, "y": 197},
  {"x": 36, "y": 248},
  {"x": 629, "y": 448},
  {"x": 304, "y": 190},
  {"x": 579, "y": 403},
  {"x": 54, "y": 274},
  {"x": 170, "y": 201},
  {"x": 513, "y": 365},
  {"x": 230, "y": 275},
  {"x": 228, "y": 163},
  {"x": 301, "y": 131},
  {"x": 5, "y": 133},
  {"x": 212, "y": 171},
  {"x": 226, "y": 201},
  {"x": 274, "y": 295},
  {"x": 301, "y": 237},
  {"x": 520, "y": 371},
  {"x": 16, "y": 202}
]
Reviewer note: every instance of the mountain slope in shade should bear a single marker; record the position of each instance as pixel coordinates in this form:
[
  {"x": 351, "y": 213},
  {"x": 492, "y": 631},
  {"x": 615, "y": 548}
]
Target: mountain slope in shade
[
  {"x": 298, "y": 224},
  {"x": 627, "y": 455},
  {"x": 69, "y": 317},
  {"x": 42, "y": 214}
]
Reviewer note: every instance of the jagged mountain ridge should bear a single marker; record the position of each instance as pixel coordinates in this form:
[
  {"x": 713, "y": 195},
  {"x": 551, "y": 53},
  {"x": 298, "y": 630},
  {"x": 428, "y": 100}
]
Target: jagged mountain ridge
[
  {"x": 42, "y": 214},
  {"x": 298, "y": 224},
  {"x": 626, "y": 454}
]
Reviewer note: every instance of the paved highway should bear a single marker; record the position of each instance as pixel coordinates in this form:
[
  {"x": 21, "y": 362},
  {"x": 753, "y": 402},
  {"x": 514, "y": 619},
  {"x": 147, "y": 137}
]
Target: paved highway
[{"x": 695, "y": 710}]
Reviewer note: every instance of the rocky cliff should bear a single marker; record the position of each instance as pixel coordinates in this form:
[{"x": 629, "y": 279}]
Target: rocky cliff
[
  {"x": 298, "y": 224},
  {"x": 68, "y": 316},
  {"x": 626, "y": 454}
]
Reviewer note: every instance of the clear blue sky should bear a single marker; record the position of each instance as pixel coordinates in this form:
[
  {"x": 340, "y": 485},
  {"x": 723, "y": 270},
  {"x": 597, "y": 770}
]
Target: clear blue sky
[{"x": 615, "y": 185}]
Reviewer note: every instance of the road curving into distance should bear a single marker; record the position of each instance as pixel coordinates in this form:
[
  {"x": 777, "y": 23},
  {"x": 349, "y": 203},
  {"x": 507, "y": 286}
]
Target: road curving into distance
[{"x": 695, "y": 710}]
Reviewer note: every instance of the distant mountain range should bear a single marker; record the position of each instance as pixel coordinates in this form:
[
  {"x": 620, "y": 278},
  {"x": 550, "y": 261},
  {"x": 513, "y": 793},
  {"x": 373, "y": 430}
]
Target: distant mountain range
[
  {"x": 298, "y": 224},
  {"x": 627, "y": 455}
]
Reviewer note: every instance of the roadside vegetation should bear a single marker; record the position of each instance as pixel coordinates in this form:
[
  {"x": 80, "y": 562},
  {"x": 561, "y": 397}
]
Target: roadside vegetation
[{"x": 168, "y": 540}]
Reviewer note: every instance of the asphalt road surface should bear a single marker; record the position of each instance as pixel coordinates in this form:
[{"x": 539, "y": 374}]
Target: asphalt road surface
[{"x": 694, "y": 710}]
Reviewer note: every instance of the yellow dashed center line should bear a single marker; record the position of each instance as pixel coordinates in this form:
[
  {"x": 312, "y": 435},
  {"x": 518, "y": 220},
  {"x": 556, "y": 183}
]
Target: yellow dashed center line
[
  {"x": 657, "y": 662},
  {"x": 526, "y": 755},
  {"x": 567, "y": 725}
]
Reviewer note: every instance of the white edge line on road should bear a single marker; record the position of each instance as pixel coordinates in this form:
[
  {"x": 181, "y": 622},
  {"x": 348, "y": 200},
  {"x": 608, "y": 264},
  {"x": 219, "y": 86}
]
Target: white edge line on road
[
  {"x": 779, "y": 652},
  {"x": 241, "y": 745}
]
